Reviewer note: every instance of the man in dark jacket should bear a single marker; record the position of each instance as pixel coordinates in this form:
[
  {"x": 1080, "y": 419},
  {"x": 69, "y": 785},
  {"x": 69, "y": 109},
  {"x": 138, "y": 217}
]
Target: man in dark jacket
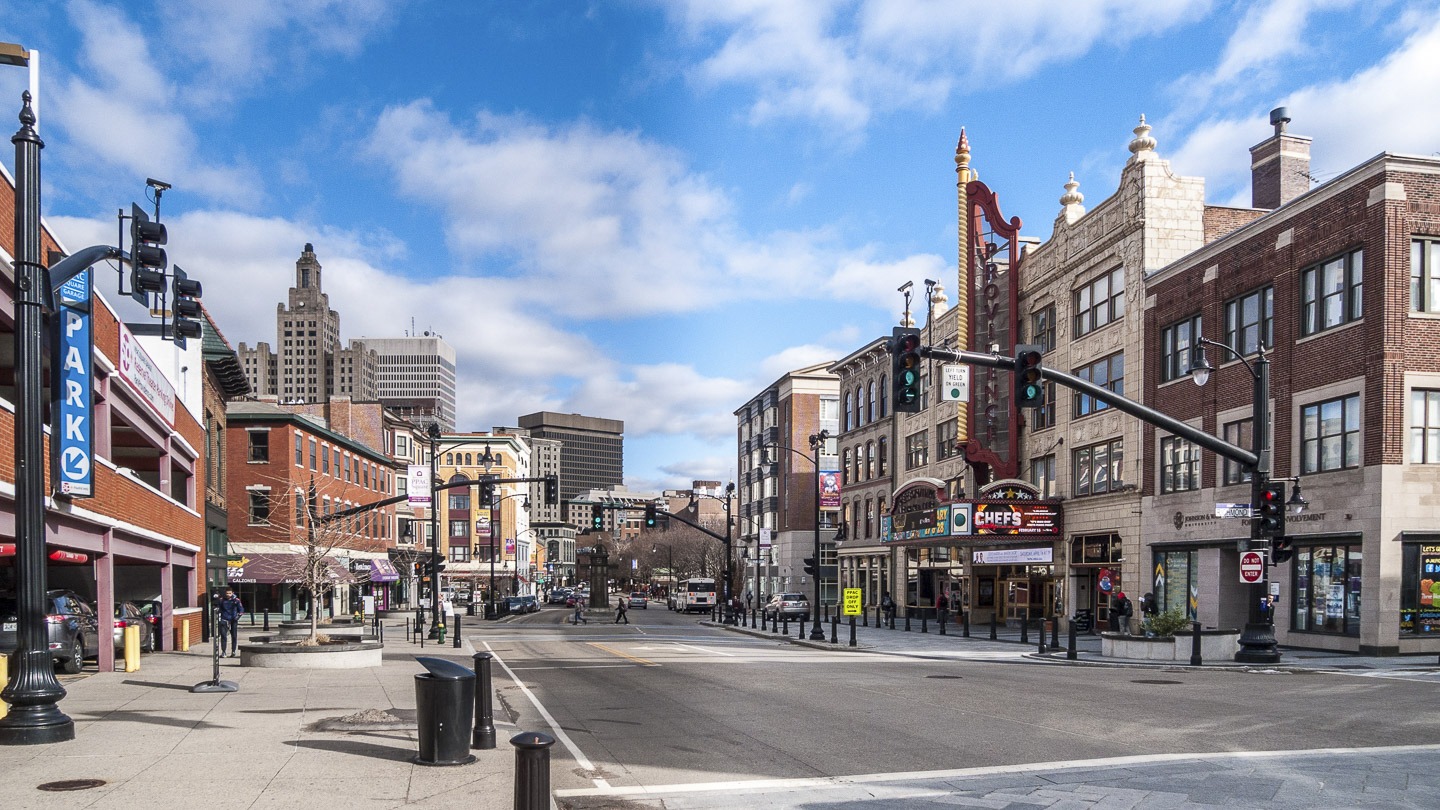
[
  {"x": 1120, "y": 612},
  {"x": 229, "y": 612}
]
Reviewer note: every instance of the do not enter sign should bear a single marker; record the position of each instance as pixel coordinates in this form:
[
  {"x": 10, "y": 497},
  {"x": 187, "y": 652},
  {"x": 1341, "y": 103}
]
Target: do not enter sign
[{"x": 1252, "y": 567}]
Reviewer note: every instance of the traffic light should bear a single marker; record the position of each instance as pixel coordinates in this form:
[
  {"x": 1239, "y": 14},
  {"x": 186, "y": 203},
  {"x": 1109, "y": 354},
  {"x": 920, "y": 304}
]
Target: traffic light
[
  {"x": 184, "y": 309},
  {"x": 1281, "y": 550},
  {"x": 1270, "y": 514},
  {"x": 552, "y": 489},
  {"x": 649, "y": 515},
  {"x": 905, "y": 369},
  {"x": 147, "y": 258},
  {"x": 1029, "y": 390},
  {"x": 487, "y": 494},
  {"x": 597, "y": 517},
  {"x": 810, "y": 567}
]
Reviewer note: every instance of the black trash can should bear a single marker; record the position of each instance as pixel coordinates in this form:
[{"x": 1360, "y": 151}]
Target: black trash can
[{"x": 445, "y": 712}]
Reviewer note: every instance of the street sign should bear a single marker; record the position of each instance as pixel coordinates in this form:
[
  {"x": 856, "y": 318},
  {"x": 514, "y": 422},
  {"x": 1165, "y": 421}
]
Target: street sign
[
  {"x": 1232, "y": 510},
  {"x": 1252, "y": 567},
  {"x": 955, "y": 385},
  {"x": 852, "y": 602}
]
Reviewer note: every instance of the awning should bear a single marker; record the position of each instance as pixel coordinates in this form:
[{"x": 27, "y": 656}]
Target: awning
[
  {"x": 383, "y": 571},
  {"x": 278, "y": 569}
]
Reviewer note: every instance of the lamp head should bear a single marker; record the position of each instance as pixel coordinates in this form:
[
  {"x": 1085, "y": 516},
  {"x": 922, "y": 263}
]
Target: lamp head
[
  {"x": 1200, "y": 367},
  {"x": 1296, "y": 503}
]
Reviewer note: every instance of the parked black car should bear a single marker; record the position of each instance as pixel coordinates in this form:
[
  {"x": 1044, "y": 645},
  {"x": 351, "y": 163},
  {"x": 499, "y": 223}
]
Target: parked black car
[{"x": 73, "y": 628}]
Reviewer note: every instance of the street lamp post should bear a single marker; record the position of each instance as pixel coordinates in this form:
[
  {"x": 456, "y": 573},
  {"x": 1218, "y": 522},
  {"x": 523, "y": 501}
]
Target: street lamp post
[
  {"x": 1257, "y": 642},
  {"x": 817, "y": 442},
  {"x": 433, "y": 432},
  {"x": 725, "y": 503}
]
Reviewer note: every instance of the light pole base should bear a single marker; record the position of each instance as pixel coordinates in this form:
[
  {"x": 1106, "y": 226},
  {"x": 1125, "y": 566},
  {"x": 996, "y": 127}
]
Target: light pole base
[
  {"x": 50, "y": 726},
  {"x": 1257, "y": 645}
]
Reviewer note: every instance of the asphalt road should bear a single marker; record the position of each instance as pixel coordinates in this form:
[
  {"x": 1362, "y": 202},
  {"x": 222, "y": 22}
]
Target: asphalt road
[{"x": 666, "y": 701}]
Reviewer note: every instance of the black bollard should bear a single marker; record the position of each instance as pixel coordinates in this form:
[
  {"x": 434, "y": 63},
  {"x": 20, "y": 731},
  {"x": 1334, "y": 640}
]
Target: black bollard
[
  {"x": 801, "y": 630},
  {"x": 1055, "y": 632},
  {"x": 852, "y": 631},
  {"x": 484, "y": 734},
  {"x": 1041, "y": 648},
  {"x": 456, "y": 642},
  {"x": 865, "y": 617},
  {"x": 1072, "y": 653},
  {"x": 1025, "y": 631},
  {"x": 1195, "y": 659},
  {"x": 835, "y": 627},
  {"x": 892, "y": 618},
  {"x": 786, "y": 623},
  {"x": 924, "y": 622},
  {"x": 775, "y": 623},
  {"x": 419, "y": 631},
  {"x": 907, "y": 620},
  {"x": 532, "y": 770},
  {"x": 965, "y": 623},
  {"x": 993, "y": 626},
  {"x": 267, "y": 620},
  {"x": 407, "y": 628}
]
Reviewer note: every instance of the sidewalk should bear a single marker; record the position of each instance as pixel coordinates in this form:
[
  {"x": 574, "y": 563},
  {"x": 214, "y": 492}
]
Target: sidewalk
[
  {"x": 925, "y": 640},
  {"x": 156, "y": 744}
]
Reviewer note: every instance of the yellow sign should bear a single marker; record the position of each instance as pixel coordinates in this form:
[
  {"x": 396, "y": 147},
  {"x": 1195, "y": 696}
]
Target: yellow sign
[{"x": 852, "y": 602}]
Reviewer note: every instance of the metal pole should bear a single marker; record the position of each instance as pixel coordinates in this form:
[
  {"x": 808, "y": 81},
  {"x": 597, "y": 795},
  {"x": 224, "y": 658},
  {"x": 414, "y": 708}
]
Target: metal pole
[
  {"x": 1195, "y": 659},
  {"x": 835, "y": 627},
  {"x": 434, "y": 434},
  {"x": 1072, "y": 652},
  {"x": 532, "y": 770},
  {"x": 483, "y": 736},
  {"x": 993, "y": 627},
  {"x": 1257, "y": 642},
  {"x": 33, "y": 692},
  {"x": 852, "y": 631},
  {"x": 816, "y": 632}
]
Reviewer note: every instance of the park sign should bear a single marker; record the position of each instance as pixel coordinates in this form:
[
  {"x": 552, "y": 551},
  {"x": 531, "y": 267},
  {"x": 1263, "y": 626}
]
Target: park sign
[{"x": 72, "y": 466}]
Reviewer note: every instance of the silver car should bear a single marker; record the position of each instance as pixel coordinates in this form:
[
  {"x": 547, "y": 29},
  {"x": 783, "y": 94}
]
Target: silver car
[{"x": 792, "y": 605}]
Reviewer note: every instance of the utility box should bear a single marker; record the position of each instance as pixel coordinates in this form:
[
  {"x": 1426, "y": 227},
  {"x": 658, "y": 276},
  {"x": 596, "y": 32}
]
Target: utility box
[{"x": 445, "y": 712}]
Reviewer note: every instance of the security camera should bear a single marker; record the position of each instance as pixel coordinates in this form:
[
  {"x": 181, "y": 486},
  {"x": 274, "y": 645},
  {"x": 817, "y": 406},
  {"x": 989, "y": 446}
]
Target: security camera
[{"x": 157, "y": 184}]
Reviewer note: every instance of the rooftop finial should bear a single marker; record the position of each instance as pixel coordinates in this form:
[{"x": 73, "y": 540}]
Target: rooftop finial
[
  {"x": 962, "y": 152},
  {"x": 27, "y": 113},
  {"x": 1142, "y": 142}
]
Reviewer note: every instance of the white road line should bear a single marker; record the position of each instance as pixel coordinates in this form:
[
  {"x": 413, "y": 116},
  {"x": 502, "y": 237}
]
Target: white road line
[
  {"x": 584, "y": 666},
  {"x": 993, "y": 770},
  {"x": 703, "y": 650},
  {"x": 580, "y": 758}
]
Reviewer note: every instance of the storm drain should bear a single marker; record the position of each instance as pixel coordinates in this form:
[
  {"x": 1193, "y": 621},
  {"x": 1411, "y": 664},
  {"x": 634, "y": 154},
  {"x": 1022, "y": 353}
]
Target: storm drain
[
  {"x": 1158, "y": 682},
  {"x": 71, "y": 784}
]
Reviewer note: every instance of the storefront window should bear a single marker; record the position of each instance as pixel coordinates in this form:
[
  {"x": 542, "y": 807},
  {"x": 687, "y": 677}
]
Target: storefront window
[
  {"x": 1327, "y": 590},
  {"x": 1420, "y": 589},
  {"x": 1175, "y": 586}
]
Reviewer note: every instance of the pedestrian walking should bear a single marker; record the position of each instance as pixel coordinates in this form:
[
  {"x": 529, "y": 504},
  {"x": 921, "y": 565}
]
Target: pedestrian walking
[
  {"x": 621, "y": 606},
  {"x": 1120, "y": 612},
  {"x": 579, "y": 617},
  {"x": 942, "y": 607},
  {"x": 229, "y": 612},
  {"x": 888, "y": 605}
]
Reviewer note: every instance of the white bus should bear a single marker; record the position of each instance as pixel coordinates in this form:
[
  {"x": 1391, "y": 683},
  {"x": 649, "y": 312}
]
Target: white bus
[{"x": 696, "y": 593}]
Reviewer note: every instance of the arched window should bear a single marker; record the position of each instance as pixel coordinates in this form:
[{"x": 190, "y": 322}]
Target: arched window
[
  {"x": 870, "y": 415},
  {"x": 859, "y": 463},
  {"x": 881, "y": 457},
  {"x": 882, "y": 396},
  {"x": 849, "y": 414},
  {"x": 869, "y": 460},
  {"x": 859, "y": 406},
  {"x": 449, "y": 459},
  {"x": 869, "y": 518},
  {"x": 845, "y": 470},
  {"x": 468, "y": 459}
]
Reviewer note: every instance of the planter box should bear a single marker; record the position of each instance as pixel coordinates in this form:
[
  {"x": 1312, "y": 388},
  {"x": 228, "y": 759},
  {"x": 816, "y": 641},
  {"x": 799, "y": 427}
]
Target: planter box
[
  {"x": 1215, "y": 646},
  {"x": 266, "y": 654}
]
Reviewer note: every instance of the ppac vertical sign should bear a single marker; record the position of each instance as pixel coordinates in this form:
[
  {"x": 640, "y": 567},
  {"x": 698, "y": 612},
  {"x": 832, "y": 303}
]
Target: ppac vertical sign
[{"x": 71, "y": 466}]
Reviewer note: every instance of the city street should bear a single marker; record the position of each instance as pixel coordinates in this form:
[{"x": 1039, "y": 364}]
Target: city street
[{"x": 644, "y": 710}]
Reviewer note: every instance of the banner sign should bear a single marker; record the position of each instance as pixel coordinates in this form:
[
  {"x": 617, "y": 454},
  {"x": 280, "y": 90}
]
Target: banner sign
[
  {"x": 1015, "y": 556},
  {"x": 829, "y": 489},
  {"x": 510, "y": 547},
  {"x": 418, "y": 484},
  {"x": 920, "y": 525},
  {"x": 141, "y": 373},
  {"x": 71, "y": 454},
  {"x": 482, "y": 527},
  {"x": 1016, "y": 518},
  {"x": 765, "y": 539}
]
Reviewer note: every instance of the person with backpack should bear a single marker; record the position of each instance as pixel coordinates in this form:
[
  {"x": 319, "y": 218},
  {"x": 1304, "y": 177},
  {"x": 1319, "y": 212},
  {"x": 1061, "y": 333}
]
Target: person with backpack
[
  {"x": 1120, "y": 612},
  {"x": 228, "y": 611},
  {"x": 888, "y": 606}
]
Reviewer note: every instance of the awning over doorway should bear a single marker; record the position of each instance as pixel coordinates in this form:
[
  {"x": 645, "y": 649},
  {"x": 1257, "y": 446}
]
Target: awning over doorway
[
  {"x": 383, "y": 571},
  {"x": 278, "y": 569}
]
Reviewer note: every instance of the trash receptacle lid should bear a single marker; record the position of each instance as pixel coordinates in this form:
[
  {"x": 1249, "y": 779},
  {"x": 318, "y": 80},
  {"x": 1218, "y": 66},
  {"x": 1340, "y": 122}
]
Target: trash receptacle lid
[{"x": 445, "y": 670}]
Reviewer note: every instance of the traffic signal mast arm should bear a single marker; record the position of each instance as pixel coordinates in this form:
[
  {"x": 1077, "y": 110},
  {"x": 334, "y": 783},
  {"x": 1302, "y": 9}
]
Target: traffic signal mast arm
[
  {"x": 394, "y": 499},
  {"x": 692, "y": 525},
  {"x": 1214, "y": 444}
]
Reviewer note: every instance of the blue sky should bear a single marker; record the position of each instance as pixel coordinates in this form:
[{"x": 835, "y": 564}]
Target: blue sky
[{"x": 649, "y": 210}]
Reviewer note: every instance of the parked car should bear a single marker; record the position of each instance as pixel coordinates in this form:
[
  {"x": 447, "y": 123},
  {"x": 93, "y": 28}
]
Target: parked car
[
  {"x": 514, "y": 605},
  {"x": 559, "y": 595},
  {"x": 793, "y": 605},
  {"x": 126, "y": 614},
  {"x": 638, "y": 599},
  {"x": 73, "y": 628},
  {"x": 532, "y": 603}
]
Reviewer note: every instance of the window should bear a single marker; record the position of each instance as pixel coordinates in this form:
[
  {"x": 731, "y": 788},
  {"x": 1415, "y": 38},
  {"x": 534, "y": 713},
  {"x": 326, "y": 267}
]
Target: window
[
  {"x": 259, "y": 445},
  {"x": 1238, "y": 434},
  {"x": 869, "y": 460},
  {"x": 1424, "y": 427},
  {"x": 325, "y": 459},
  {"x": 1330, "y": 293},
  {"x": 1100, "y": 302},
  {"x": 1419, "y": 571},
  {"x": 870, "y": 404},
  {"x": 299, "y": 451},
  {"x": 946, "y": 434},
  {"x": 916, "y": 449},
  {"x": 402, "y": 445},
  {"x": 1107, "y": 372},
  {"x": 1250, "y": 321},
  {"x": 460, "y": 500},
  {"x": 299, "y": 499},
  {"x": 460, "y": 528},
  {"x": 1175, "y": 345},
  {"x": 882, "y": 391},
  {"x": 1176, "y": 587},
  {"x": 849, "y": 412},
  {"x": 859, "y": 406},
  {"x": 1330, "y": 435},
  {"x": 259, "y": 507},
  {"x": 1424, "y": 275},
  {"x": 460, "y": 554},
  {"x": 845, "y": 476},
  {"x": 1327, "y": 590},
  {"x": 1179, "y": 465},
  {"x": 1098, "y": 468},
  {"x": 1042, "y": 475},
  {"x": 1042, "y": 328},
  {"x": 1044, "y": 416},
  {"x": 882, "y": 457}
]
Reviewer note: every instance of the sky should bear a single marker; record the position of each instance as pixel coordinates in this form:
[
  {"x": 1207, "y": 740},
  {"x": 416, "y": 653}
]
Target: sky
[{"x": 650, "y": 210}]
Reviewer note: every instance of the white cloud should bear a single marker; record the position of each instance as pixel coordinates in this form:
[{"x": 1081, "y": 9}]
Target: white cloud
[
  {"x": 839, "y": 62},
  {"x": 665, "y": 398}
]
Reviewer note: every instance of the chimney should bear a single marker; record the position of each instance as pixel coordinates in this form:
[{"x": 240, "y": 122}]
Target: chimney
[{"x": 1279, "y": 165}]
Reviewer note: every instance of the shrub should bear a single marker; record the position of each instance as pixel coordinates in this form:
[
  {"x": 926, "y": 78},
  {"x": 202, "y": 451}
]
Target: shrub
[{"x": 1169, "y": 623}]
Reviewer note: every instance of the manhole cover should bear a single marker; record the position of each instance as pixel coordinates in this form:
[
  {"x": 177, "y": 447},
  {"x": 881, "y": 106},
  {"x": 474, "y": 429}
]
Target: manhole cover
[
  {"x": 945, "y": 677},
  {"x": 72, "y": 784},
  {"x": 1158, "y": 682}
]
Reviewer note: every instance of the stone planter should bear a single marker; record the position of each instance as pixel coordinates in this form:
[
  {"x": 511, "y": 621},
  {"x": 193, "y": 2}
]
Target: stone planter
[
  {"x": 1216, "y": 646},
  {"x": 336, "y": 629},
  {"x": 274, "y": 652}
]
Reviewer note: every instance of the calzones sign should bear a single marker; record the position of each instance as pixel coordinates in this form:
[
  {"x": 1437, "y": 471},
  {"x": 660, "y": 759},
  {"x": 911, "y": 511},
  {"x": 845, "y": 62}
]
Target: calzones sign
[{"x": 71, "y": 456}]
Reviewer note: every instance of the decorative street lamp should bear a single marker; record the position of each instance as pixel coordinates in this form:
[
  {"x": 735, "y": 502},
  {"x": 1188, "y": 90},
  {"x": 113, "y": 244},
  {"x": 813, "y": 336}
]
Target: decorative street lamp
[
  {"x": 1257, "y": 642},
  {"x": 725, "y": 503},
  {"x": 817, "y": 442}
]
